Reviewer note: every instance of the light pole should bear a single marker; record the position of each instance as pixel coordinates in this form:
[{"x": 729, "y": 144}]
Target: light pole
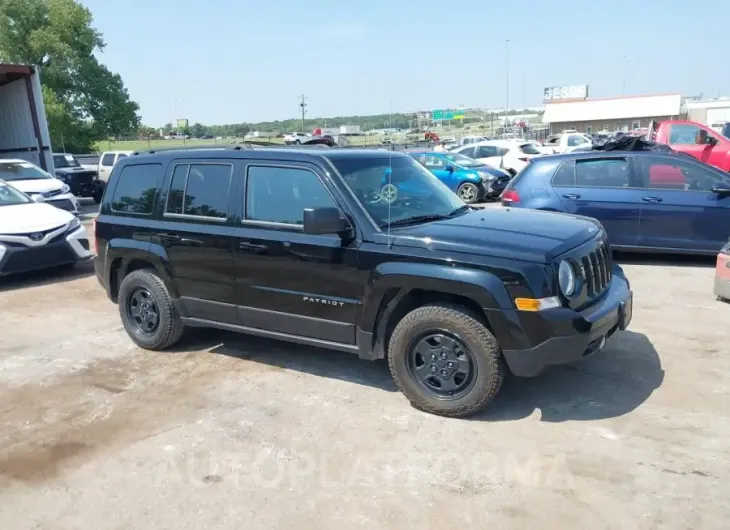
[{"x": 506, "y": 76}]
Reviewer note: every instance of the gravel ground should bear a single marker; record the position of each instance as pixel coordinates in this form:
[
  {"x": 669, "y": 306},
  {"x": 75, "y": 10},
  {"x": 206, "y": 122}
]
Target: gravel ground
[{"x": 228, "y": 431}]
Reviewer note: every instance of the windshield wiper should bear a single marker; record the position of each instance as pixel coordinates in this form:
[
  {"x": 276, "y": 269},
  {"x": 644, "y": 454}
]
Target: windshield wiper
[
  {"x": 460, "y": 209},
  {"x": 414, "y": 220}
]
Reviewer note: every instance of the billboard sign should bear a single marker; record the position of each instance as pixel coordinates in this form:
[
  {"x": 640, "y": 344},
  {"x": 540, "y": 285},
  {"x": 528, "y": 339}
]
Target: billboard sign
[
  {"x": 182, "y": 123},
  {"x": 557, "y": 93}
]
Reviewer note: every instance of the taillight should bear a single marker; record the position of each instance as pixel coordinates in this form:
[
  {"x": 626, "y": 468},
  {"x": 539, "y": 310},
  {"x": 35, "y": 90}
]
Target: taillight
[{"x": 510, "y": 197}]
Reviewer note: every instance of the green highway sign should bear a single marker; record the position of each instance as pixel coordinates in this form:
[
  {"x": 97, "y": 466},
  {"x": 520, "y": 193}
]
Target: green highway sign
[
  {"x": 449, "y": 115},
  {"x": 438, "y": 114}
]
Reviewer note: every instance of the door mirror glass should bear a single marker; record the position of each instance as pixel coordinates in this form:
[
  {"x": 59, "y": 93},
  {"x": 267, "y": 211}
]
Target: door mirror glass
[
  {"x": 449, "y": 168},
  {"x": 318, "y": 221}
]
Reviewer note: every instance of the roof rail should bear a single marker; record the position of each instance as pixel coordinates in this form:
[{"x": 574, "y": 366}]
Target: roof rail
[{"x": 214, "y": 147}]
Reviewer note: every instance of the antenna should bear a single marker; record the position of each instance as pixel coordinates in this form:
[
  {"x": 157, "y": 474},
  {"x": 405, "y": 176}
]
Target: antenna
[{"x": 303, "y": 106}]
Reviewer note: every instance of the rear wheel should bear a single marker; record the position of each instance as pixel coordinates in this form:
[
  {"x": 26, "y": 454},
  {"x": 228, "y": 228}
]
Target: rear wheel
[
  {"x": 468, "y": 192},
  {"x": 297, "y": 142},
  {"x": 147, "y": 311},
  {"x": 445, "y": 360}
]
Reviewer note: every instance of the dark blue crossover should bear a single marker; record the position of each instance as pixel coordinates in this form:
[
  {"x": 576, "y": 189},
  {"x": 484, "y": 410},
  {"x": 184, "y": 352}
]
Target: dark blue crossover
[{"x": 646, "y": 201}]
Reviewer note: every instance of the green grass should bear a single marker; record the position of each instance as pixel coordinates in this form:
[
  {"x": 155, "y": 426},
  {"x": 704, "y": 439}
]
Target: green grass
[{"x": 141, "y": 145}]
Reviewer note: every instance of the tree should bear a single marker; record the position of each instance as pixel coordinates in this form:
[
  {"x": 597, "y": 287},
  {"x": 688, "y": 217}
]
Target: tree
[
  {"x": 197, "y": 130},
  {"x": 87, "y": 102}
]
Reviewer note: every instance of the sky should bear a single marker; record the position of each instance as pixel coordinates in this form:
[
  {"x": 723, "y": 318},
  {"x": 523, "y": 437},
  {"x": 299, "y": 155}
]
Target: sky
[{"x": 219, "y": 61}]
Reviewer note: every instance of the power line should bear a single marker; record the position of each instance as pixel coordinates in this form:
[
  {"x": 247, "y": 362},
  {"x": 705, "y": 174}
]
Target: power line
[{"x": 303, "y": 106}]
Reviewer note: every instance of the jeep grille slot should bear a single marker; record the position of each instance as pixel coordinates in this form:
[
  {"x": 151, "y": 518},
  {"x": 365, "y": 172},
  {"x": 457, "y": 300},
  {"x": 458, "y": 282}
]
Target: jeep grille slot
[{"x": 596, "y": 269}]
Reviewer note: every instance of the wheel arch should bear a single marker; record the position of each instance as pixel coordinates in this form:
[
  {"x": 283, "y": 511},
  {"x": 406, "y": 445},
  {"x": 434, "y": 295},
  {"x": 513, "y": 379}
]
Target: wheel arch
[
  {"x": 125, "y": 258},
  {"x": 398, "y": 288}
]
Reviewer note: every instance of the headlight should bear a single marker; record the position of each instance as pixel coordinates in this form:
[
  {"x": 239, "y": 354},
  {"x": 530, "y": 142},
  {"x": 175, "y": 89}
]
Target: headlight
[
  {"x": 65, "y": 188},
  {"x": 487, "y": 176},
  {"x": 75, "y": 223},
  {"x": 566, "y": 278}
]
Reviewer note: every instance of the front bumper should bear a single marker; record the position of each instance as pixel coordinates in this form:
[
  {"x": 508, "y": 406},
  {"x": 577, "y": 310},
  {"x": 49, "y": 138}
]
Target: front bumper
[
  {"x": 494, "y": 188},
  {"x": 67, "y": 248},
  {"x": 576, "y": 334}
]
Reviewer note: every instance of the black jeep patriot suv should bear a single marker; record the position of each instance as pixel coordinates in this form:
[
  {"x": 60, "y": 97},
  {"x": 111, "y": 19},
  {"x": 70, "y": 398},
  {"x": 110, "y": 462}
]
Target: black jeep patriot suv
[{"x": 362, "y": 251}]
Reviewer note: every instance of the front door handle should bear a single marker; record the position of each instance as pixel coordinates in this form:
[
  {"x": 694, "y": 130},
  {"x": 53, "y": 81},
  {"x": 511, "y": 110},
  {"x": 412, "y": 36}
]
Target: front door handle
[
  {"x": 572, "y": 196},
  {"x": 168, "y": 236},
  {"x": 252, "y": 248},
  {"x": 652, "y": 199}
]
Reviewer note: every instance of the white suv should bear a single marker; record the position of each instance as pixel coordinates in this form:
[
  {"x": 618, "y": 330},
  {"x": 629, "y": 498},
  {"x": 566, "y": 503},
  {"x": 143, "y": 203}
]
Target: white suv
[{"x": 296, "y": 138}]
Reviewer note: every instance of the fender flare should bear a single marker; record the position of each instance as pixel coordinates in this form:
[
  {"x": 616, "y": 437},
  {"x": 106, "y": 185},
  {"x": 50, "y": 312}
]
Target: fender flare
[
  {"x": 121, "y": 253},
  {"x": 484, "y": 288}
]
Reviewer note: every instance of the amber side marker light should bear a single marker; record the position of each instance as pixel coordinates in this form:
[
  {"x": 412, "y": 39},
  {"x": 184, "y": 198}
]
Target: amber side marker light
[{"x": 537, "y": 304}]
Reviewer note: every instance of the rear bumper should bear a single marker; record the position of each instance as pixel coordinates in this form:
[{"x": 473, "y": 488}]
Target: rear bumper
[
  {"x": 722, "y": 276},
  {"x": 577, "y": 335}
]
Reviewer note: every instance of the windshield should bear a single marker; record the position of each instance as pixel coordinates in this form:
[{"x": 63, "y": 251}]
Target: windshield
[
  {"x": 396, "y": 188},
  {"x": 10, "y": 196},
  {"x": 463, "y": 161},
  {"x": 62, "y": 161},
  {"x": 11, "y": 171},
  {"x": 726, "y": 130}
]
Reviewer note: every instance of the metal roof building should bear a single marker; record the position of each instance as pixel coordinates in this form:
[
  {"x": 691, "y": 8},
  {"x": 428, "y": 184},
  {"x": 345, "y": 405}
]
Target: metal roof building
[{"x": 612, "y": 114}]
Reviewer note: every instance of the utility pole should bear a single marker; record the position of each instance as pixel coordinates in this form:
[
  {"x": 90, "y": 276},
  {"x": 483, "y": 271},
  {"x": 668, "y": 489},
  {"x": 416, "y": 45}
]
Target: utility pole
[
  {"x": 506, "y": 75},
  {"x": 303, "y": 106}
]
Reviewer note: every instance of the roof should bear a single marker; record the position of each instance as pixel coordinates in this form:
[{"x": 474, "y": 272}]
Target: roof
[
  {"x": 12, "y": 72},
  {"x": 613, "y": 108},
  {"x": 266, "y": 153}
]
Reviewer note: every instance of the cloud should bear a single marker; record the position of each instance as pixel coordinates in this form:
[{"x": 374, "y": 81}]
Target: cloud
[{"x": 344, "y": 31}]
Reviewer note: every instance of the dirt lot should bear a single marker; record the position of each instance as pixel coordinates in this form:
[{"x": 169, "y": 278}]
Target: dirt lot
[{"x": 231, "y": 432}]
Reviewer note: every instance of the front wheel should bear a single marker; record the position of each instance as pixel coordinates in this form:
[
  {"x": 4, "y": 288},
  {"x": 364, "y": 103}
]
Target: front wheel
[
  {"x": 445, "y": 360},
  {"x": 468, "y": 192},
  {"x": 297, "y": 142}
]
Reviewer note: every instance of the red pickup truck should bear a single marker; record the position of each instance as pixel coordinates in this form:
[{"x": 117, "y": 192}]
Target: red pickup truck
[{"x": 693, "y": 139}]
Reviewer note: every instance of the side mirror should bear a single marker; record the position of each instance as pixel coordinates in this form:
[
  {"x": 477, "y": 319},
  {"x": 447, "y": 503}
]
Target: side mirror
[
  {"x": 723, "y": 192},
  {"x": 318, "y": 221},
  {"x": 712, "y": 140},
  {"x": 449, "y": 168}
]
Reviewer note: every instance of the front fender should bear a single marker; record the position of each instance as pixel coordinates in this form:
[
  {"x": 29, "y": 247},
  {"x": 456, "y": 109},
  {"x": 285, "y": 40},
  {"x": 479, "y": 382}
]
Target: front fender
[{"x": 483, "y": 287}]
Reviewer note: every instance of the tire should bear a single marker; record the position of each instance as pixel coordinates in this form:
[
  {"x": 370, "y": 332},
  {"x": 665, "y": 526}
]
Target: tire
[
  {"x": 97, "y": 194},
  {"x": 457, "y": 322},
  {"x": 169, "y": 327},
  {"x": 468, "y": 192},
  {"x": 297, "y": 142}
]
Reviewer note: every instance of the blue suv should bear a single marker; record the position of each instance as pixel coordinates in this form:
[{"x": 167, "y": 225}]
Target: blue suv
[
  {"x": 470, "y": 179},
  {"x": 647, "y": 201}
]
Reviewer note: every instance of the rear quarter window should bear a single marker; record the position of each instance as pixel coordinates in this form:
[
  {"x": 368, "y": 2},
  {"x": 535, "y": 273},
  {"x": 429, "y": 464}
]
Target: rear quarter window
[{"x": 136, "y": 189}]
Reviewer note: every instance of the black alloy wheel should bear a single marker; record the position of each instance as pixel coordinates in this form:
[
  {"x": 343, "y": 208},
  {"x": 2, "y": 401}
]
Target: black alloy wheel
[
  {"x": 143, "y": 311},
  {"x": 442, "y": 364}
]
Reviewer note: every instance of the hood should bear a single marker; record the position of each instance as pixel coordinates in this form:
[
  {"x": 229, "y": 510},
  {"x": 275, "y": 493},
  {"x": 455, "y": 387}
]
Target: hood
[
  {"x": 510, "y": 233},
  {"x": 71, "y": 170},
  {"x": 37, "y": 185},
  {"x": 490, "y": 170},
  {"x": 31, "y": 217}
]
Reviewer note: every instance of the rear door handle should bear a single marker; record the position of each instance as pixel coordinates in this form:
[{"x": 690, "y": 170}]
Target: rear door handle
[
  {"x": 572, "y": 196},
  {"x": 252, "y": 248},
  {"x": 652, "y": 199}
]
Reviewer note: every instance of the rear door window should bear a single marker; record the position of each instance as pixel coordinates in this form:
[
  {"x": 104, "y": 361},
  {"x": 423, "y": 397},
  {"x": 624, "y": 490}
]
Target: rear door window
[
  {"x": 200, "y": 190},
  {"x": 602, "y": 173},
  {"x": 565, "y": 175},
  {"x": 136, "y": 189},
  {"x": 107, "y": 160}
]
